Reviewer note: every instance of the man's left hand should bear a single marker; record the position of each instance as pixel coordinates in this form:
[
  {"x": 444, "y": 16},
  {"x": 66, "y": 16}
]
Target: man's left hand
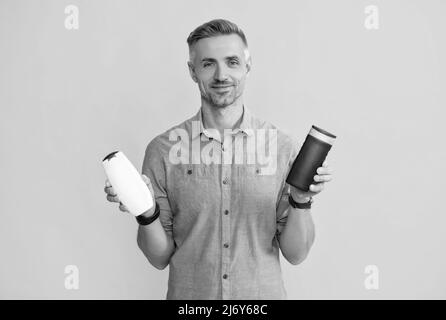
[{"x": 323, "y": 175}]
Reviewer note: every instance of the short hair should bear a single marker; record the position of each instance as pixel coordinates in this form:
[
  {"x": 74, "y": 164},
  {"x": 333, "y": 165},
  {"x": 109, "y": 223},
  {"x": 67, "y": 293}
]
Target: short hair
[{"x": 215, "y": 28}]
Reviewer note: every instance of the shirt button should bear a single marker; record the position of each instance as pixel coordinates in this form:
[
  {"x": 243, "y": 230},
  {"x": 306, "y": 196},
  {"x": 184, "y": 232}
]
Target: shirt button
[
  {"x": 225, "y": 181},
  {"x": 226, "y": 212},
  {"x": 225, "y": 276},
  {"x": 226, "y": 245}
]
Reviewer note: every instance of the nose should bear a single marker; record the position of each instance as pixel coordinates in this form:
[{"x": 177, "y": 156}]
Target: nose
[{"x": 220, "y": 73}]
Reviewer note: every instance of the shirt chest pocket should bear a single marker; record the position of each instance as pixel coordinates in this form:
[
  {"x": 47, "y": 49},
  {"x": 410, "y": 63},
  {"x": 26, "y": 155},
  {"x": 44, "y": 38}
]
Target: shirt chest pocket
[
  {"x": 257, "y": 186},
  {"x": 194, "y": 188}
]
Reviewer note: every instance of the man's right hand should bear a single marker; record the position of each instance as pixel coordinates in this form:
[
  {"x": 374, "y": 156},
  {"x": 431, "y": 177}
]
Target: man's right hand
[{"x": 113, "y": 197}]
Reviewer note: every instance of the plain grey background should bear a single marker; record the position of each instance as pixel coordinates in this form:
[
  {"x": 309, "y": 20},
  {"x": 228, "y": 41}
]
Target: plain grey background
[{"x": 69, "y": 97}]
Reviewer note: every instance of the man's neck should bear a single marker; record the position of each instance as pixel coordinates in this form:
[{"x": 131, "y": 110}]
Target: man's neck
[{"x": 218, "y": 118}]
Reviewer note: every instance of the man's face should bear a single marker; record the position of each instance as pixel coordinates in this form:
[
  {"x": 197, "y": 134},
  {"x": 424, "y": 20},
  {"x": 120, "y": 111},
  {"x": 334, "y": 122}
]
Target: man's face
[{"x": 219, "y": 65}]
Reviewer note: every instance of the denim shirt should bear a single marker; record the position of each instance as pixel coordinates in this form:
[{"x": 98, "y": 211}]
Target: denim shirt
[{"x": 219, "y": 201}]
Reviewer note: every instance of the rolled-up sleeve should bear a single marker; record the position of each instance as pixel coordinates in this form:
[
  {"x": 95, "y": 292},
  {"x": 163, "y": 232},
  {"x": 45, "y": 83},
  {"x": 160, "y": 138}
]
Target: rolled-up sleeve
[{"x": 154, "y": 168}]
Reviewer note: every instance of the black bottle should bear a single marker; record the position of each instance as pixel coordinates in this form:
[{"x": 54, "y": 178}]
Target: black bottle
[{"x": 311, "y": 156}]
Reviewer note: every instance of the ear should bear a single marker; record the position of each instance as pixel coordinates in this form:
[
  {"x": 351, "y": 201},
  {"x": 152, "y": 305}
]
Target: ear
[
  {"x": 248, "y": 66},
  {"x": 192, "y": 71}
]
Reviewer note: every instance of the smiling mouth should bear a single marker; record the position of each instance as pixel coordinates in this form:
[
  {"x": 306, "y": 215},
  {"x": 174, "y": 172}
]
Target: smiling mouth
[{"x": 221, "y": 87}]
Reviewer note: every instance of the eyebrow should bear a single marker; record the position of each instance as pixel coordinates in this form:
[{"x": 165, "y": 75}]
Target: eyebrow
[{"x": 226, "y": 58}]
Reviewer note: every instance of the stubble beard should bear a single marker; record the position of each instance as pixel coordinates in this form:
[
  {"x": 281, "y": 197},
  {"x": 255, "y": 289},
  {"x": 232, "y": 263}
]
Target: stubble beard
[{"x": 221, "y": 101}]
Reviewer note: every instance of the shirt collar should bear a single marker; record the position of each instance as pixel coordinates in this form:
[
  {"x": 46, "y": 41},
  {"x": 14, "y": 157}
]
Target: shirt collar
[{"x": 245, "y": 127}]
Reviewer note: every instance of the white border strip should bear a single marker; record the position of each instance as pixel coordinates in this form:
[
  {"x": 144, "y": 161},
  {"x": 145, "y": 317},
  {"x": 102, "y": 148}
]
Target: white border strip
[{"x": 320, "y": 136}]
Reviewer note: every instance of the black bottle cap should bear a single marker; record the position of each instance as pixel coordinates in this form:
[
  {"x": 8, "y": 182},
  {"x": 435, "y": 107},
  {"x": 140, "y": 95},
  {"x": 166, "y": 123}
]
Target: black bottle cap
[{"x": 111, "y": 155}]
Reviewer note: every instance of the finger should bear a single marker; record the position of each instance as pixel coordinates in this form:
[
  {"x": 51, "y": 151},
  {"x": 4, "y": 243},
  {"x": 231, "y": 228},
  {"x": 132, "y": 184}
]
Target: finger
[
  {"x": 148, "y": 183},
  {"x": 107, "y": 185},
  {"x": 146, "y": 179},
  {"x": 324, "y": 170},
  {"x": 110, "y": 191},
  {"x": 112, "y": 198},
  {"x": 322, "y": 178},
  {"x": 325, "y": 164},
  {"x": 317, "y": 187},
  {"x": 123, "y": 208}
]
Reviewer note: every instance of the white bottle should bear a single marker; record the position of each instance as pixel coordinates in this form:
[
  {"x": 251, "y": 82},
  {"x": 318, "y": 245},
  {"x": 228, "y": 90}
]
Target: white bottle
[{"x": 128, "y": 184}]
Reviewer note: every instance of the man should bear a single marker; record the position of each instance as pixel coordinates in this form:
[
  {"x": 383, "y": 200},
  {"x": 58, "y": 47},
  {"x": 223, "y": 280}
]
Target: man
[{"x": 221, "y": 222}]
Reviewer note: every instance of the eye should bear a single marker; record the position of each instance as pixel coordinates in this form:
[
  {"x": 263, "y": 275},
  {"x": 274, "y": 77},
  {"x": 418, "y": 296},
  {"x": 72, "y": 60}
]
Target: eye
[
  {"x": 233, "y": 62},
  {"x": 207, "y": 64}
]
